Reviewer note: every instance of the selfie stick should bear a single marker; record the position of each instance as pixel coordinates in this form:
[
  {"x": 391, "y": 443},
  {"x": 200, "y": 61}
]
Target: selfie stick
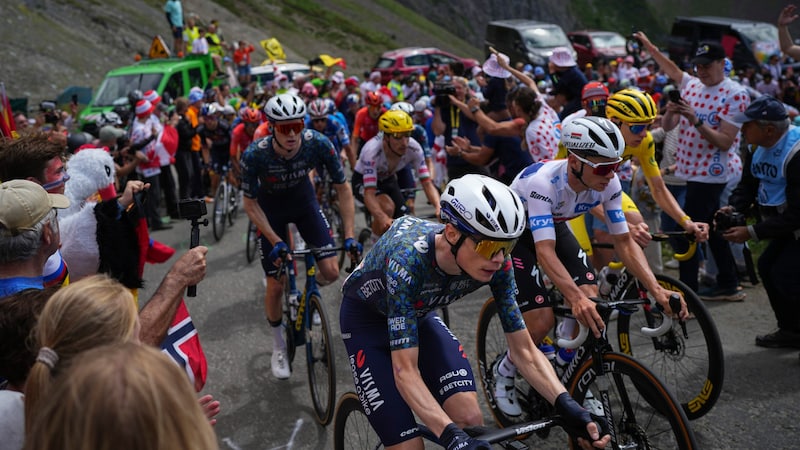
[{"x": 194, "y": 241}]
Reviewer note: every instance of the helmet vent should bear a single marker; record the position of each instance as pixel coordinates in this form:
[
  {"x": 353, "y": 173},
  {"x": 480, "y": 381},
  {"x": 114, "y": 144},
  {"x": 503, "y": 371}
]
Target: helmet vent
[
  {"x": 482, "y": 220},
  {"x": 489, "y": 198}
]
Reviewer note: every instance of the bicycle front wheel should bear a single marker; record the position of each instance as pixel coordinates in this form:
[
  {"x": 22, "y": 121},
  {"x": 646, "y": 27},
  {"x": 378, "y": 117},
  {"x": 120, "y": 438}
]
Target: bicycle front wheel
[
  {"x": 320, "y": 357},
  {"x": 233, "y": 203},
  {"x": 220, "y": 211},
  {"x": 643, "y": 412},
  {"x": 351, "y": 428},
  {"x": 692, "y": 367}
]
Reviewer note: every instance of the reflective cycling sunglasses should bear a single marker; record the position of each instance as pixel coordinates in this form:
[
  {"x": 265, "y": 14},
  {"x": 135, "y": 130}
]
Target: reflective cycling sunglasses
[
  {"x": 488, "y": 248},
  {"x": 400, "y": 135},
  {"x": 287, "y": 128},
  {"x": 600, "y": 169},
  {"x": 320, "y": 119},
  {"x": 638, "y": 128}
]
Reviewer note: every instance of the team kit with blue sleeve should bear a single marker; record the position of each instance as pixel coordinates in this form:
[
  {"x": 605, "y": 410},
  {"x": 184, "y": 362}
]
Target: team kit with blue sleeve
[
  {"x": 389, "y": 304},
  {"x": 550, "y": 202},
  {"x": 285, "y": 193}
]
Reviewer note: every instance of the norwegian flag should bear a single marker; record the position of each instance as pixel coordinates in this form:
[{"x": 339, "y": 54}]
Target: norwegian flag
[{"x": 183, "y": 345}]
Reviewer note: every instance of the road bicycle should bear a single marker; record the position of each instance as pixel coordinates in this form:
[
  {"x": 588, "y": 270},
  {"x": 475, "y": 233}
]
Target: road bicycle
[
  {"x": 306, "y": 323},
  {"x": 352, "y": 431},
  {"x": 641, "y": 411},
  {"x": 226, "y": 205},
  {"x": 688, "y": 357}
]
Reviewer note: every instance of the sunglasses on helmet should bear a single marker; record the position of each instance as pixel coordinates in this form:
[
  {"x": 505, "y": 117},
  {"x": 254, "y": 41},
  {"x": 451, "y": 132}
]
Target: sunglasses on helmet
[
  {"x": 488, "y": 248},
  {"x": 288, "y": 128},
  {"x": 600, "y": 169}
]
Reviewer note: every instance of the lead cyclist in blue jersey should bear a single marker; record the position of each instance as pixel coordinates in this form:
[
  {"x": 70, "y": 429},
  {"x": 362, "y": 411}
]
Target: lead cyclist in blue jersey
[
  {"x": 277, "y": 191},
  {"x": 404, "y": 359}
]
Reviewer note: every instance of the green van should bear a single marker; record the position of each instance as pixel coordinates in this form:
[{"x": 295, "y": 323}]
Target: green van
[{"x": 171, "y": 76}]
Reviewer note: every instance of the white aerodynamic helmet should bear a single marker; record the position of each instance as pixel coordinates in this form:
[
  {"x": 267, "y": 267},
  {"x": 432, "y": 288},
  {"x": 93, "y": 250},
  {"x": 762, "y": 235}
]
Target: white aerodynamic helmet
[
  {"x": 406, "y": 107},
  {"x": 483, "y": 207},
  {"x": 593, "y": 136},
  {"x": 285, "y": 107}
]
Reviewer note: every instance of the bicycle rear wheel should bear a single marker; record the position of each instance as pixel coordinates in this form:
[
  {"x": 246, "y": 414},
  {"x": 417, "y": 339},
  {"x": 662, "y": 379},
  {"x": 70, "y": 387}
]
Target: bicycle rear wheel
[
  {"x": 644, "y": 413},
  {"x": 320, "y": 357},
  {"x": 251, "y": 242},
  {"x": 220, "y": 212},
  {"x": 692, "y": 368},
  {"x": 351, "y": 428}
]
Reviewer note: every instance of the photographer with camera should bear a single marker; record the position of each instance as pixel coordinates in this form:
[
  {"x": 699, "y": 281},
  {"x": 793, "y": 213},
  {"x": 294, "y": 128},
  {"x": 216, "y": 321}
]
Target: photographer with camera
[
  {"x": 770, "y": 188},
  {"x": 449, "y": 121}
]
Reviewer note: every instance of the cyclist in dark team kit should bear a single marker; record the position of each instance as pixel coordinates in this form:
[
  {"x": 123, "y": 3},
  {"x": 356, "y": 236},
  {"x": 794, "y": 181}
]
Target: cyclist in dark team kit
[
  {"x": 277, "y": 191},
  {"x": 404, "y": 359}
]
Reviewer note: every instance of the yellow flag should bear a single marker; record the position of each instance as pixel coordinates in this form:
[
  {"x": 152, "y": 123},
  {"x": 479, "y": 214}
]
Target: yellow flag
[
  {"x": 273, "y": 49},
  {"x": 328, "y": 60}
]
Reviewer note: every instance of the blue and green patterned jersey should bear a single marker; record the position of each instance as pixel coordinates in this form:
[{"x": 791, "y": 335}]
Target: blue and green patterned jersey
[{"x": 400, "y": 279}]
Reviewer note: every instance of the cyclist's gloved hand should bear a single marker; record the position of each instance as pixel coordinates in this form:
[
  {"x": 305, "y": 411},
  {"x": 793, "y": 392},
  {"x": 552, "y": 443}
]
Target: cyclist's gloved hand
[
  {"x": 279, "y": 250},
  {"x": 454, "y": 438},
  {"x": 576, "y": 418},
  {"x": 353, "y": 246}
]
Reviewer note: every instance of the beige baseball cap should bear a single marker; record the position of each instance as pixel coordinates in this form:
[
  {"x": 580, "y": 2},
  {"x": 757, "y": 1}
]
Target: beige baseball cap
[{"x": 24, "y": 203}]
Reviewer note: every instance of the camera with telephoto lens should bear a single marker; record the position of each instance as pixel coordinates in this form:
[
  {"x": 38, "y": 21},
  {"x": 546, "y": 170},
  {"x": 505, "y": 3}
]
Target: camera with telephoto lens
[
  {"x": 726, "y": 220},
  {"x": 441, "y": 92}
]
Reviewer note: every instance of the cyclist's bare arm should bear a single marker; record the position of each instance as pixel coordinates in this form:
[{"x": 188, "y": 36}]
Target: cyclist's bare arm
[
  {"x": 257, "y": 216},
  {"x": 382, "y": 220},
  {"x": 350, "y": 152},
  {"x": 346, "y": 207},
  {"x": 582, "y": 308},
  {"x": 633, "y": 258},
  {"x": 431, "y": 193},
  {"x": 415, "y": 392},
  {"x": 667, "y": 202}
]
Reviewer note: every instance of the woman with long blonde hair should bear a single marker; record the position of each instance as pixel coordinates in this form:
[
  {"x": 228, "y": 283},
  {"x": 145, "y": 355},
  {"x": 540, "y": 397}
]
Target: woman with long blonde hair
[
  {"x": 94, "y": 311},
  {"x": 123, "y": 397}
]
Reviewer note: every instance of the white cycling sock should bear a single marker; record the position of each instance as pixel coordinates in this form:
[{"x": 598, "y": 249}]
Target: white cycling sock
[
  {"x": 278, "y": 343},
  {"x": 506, "y": 368}
]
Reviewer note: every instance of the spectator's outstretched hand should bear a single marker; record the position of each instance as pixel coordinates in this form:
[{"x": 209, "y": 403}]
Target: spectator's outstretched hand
[
  {"x": 787, "y": 15},
  {"x": 210, "y": 408},
  {"x": 190, "y": 269}
]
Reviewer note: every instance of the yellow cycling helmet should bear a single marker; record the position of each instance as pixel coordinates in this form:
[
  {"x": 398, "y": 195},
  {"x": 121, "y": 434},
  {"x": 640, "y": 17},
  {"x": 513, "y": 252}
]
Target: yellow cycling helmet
[
  {"x": 631, "y": 106},
  {"x": 395, "y": 121}
]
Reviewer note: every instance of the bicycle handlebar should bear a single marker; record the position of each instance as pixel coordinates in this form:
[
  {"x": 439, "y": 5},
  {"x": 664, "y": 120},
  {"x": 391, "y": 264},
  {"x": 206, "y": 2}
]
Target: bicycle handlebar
[{"x": 284, "y": 254}]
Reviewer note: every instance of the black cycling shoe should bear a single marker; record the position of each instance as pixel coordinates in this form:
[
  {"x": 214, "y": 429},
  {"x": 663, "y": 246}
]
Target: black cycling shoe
[{"x": 779, "y": 339}]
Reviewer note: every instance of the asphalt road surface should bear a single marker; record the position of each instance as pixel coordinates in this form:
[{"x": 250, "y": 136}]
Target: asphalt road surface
[{"x": 758, "y": 408}]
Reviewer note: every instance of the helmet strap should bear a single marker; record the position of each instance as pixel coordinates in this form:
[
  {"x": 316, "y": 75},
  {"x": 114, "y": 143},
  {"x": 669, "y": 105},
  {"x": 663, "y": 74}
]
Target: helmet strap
[
  {"x": 454, "y": 249},
  {"x": 579, "y": 175}
]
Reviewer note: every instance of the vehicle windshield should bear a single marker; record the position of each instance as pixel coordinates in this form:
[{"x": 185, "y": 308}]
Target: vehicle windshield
[
  {"x": 608, "y": 40},
  {"x": 118, "y": 87},
  {"x": 762, "y": 32},
  {"x": 545, "y": 37}
]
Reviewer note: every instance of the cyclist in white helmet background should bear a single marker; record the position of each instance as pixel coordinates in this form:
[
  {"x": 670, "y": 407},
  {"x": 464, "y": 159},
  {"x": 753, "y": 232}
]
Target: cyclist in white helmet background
[
  {"x": 277, "y": 191},
  {"x": 404, "y": 359}
]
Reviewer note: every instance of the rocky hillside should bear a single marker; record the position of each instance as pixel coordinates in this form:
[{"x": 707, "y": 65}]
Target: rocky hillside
[{"x": 52, "y": 44}]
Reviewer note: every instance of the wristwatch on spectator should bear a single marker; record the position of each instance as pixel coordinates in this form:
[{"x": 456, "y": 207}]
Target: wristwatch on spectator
[{"x": 699, "y": 123}]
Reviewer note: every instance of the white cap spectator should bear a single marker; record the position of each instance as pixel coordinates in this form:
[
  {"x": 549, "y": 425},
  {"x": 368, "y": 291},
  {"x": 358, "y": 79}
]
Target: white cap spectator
[
  {"x": 493, "y": 69},
  {"x": 562, "y": 57}
]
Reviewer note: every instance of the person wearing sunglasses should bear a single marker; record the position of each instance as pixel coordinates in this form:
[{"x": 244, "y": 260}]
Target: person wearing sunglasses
[
  {"x": 321, "y": 117},
  {"x": 278, "y": 190},
  {"x": 555, "y": 192},
  {"x": 392, "y": 333},
  {"x": 376, "y": 178}
]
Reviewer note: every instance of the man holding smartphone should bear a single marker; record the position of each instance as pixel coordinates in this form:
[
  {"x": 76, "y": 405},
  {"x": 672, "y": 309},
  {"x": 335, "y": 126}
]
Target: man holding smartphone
[{"x": 706, "y": 154}]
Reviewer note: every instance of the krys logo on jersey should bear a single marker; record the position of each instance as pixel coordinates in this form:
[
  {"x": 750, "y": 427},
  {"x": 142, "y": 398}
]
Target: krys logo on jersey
[{"x": 366, "y": 388}]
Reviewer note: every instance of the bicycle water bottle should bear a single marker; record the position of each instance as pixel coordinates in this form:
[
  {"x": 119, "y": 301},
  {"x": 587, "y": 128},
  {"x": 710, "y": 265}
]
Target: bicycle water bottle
[
  {"x": 565, "y": 330},
  {"x": 606, "y": 280},
  {"x": 564, "y": 357},
  {"x": 294, "y": 304}
]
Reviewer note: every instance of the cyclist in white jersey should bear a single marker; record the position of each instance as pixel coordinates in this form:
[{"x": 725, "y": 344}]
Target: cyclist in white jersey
[{"x": 554, "y": 192}]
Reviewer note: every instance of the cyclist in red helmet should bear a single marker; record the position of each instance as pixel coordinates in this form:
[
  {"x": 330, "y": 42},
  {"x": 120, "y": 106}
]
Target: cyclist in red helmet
[
  {"x": 365, "y": 126},
  {"x": 241, "y": 137}
]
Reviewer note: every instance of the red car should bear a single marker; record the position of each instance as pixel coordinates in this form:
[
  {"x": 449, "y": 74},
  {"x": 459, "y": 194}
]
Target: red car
[
  {"x": 592, "y": 45},
  {"x": 410, "y": 59}
]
